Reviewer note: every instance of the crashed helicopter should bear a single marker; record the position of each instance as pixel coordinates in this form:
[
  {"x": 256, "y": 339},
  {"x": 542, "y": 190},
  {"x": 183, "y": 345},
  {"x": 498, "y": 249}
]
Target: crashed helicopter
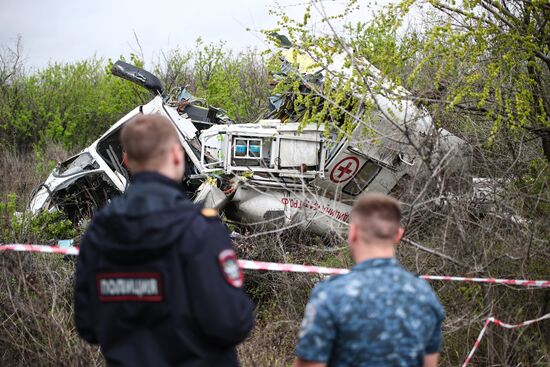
[{"x": 269, "y": 172}]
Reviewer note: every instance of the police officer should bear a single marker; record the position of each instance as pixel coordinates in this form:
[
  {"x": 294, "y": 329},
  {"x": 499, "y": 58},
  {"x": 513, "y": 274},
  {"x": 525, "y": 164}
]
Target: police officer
[
  {"x": 157, "y": 280},
  {"x": 378, "y": 314}
]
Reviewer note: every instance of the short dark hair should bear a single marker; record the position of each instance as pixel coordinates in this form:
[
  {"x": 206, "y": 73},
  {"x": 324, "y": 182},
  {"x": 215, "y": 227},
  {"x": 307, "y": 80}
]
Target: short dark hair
[
  {"x": 145, "y": 138},
  {"x": 377, "y": 215}
]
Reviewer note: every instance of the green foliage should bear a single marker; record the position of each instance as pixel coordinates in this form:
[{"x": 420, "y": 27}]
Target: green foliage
[
  {"x": 472, "y": 293},
  {"x": 26, "y": 227},
  {"x": 237, "y": 83},
  {"x": 67, "y": 103},
  {"x": 222, "y": 84},
  {"x": 492, "y": 60},
  {"x": 332, "y": 80},
  {"x": 7, "y": 217},
  {"x": 52, "y": 225},
  {"x": 74, "y": 103},
  {"x": 482, "y": 70},
  {"x": 43, "y": 165},
  {"x": 479, "y": 57}
]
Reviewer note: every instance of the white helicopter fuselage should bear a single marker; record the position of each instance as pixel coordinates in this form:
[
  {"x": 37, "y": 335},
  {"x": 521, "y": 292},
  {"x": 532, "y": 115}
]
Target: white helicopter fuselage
[{"x": 268, "y": 173}]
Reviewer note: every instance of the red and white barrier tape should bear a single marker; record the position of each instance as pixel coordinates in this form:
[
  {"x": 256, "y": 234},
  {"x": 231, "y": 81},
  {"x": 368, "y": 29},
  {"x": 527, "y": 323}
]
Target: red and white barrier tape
[
  {"x": 502, "y": 324},
  {"x": 295, "y": 268},
  {"x": 269, "y": 266},
  {"x": 40, "y": 248},
  {"x": 261, "y": 265},
  {"x": 523, "y": 282}
]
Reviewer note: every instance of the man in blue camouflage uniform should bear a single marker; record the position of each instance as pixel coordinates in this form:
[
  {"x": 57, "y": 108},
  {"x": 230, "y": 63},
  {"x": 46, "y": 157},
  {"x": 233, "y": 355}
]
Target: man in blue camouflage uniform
[{"x": 379, "y": 314}]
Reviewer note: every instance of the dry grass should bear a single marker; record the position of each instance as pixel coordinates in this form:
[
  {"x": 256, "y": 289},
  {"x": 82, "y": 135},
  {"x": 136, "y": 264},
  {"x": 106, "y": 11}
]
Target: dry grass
[
  {"x": 36, "y": 326},
  {"x": 281, "y": 298},
  {"x": 21, "y": 173},
  {"x": 36, "y": 313},
  {"x": 36, "y": 322}
]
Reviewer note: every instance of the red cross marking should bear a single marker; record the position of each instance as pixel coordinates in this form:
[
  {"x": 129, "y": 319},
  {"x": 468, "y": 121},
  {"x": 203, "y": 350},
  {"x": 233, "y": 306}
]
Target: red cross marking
[{"x": 344, "y": 170}]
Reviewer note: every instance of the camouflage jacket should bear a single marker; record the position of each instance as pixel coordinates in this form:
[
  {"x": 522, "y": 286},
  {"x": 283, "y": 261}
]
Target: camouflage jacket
[{"x": 379, "y": 314}]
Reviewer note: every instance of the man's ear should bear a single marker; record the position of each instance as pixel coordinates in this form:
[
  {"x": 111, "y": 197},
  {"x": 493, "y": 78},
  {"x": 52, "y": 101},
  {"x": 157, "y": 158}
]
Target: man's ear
[
  {"x": 177, "y": 154},
  {"x": 353, "y": 234},
  {"x": 399, "y": 234},
  {"x": 128, "y": 164}
]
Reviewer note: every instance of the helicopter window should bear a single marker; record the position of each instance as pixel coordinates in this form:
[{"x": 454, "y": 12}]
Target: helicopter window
[
  {"x": 241, "y": 147},
  {"x": 247, "y": 148},
  {"x": 110, "y": 149},
  {"x": 362, "y": 179}
]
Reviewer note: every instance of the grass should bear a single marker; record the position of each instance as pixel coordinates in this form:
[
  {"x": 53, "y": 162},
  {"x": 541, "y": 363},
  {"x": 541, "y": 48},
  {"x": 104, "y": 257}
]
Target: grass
[{"x": 36, "y": 318}]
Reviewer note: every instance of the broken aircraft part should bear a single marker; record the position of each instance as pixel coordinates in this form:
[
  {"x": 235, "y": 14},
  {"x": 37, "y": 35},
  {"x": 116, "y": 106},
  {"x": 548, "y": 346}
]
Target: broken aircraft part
[{"x": 267, "y": 172}]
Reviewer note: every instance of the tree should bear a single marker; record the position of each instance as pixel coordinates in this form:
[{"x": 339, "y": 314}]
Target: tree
[
  {"x": 480, "y": 68},
  {"x": 237, "y": 83},
  {"x": 490, "y": 59},
  {"x": 502, "y": 49}
]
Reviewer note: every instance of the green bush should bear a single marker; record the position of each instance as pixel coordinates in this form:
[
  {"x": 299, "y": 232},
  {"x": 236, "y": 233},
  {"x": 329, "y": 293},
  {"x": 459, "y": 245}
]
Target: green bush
[
  {"x": 71, "y": 103},
  {"x": 74, "y": 103},
  {"x": 26, "y": 227}
]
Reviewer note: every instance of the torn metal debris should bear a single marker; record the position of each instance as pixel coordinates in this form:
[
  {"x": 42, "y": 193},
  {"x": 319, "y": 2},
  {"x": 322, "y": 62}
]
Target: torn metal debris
[{"x": 267, "y": 172}]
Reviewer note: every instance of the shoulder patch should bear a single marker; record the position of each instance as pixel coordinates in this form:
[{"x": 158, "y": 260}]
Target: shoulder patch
[
  {"x": 209, "y": 212},
  {"x": 230, "y": 268}
]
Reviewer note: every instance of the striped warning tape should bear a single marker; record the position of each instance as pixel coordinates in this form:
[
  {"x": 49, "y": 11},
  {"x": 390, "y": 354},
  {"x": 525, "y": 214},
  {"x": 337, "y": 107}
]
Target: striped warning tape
[
  {"x": 71, "y": 250},
  {"x": 523, "y": 282},
  {"x": 269, "y": 266},
  {"x": 261, "y": 265},
  {"x": 501, "y": 324},
  {"x": 296, "y": 268}
]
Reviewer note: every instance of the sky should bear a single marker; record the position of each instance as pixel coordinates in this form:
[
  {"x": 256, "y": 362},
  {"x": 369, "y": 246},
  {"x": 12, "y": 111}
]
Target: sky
[{"x": 63, "y": 30}]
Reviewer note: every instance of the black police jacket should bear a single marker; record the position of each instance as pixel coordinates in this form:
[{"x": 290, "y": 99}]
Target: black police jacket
[{"x": 157, "y": 282}]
